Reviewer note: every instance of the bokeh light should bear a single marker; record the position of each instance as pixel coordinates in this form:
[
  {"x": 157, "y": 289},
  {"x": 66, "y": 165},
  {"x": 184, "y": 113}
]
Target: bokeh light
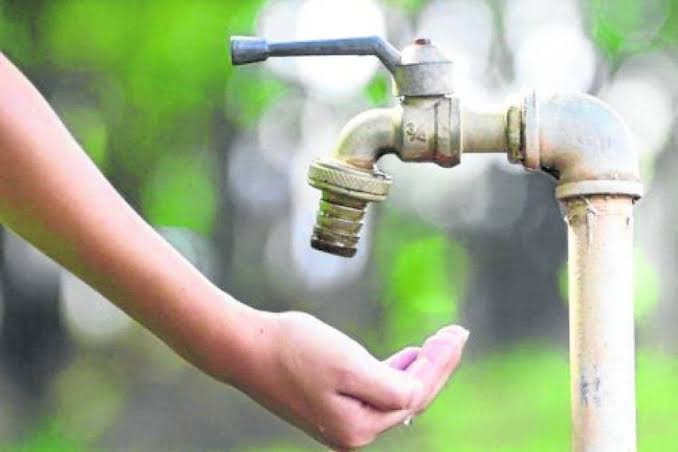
[
  {"x": 464, "y": 30},
  {"x": 181, "y": 191},
  {"x": 30, "y": 271},
  {"x": 325, "y": 19},
  {"x": 644, "y": 92},
  {"x": 646, "y": 107},
  {"x": 556, "y": 58},
  {"x": 274, "y": 23},
  {"x": 524, "y": 17},
  {"x": 92, "y": 318},
  {"x": 257, "y": 184}
]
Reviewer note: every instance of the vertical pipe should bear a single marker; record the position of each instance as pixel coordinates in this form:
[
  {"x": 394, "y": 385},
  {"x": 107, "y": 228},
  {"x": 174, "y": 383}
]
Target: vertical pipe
[{"x": 600, "y": 236}]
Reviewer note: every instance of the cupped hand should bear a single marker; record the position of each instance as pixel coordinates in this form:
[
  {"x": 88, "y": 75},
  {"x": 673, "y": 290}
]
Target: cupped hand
[{"x": 328, "y": 385}]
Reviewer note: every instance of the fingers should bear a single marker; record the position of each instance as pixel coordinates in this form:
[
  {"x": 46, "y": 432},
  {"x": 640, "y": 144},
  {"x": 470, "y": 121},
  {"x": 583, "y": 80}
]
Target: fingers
[
  {"x": 381, "y": 386},
  {"x": 401, "y": 360},
  {"x": 424, "y": 372},
  {"x": 377, "y": 396},
  {"x": 362, "y": 423},
  {"x": 436, "y": 360}
]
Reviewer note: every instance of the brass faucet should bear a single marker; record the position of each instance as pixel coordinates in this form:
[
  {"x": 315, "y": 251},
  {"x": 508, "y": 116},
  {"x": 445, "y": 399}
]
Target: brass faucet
[
  {"x": 425, "y": 127},
  {"x": 574, "y": 137}
]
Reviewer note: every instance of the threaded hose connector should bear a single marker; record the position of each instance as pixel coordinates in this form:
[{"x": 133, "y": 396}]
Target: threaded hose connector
[{"x": 346, "y": 191}]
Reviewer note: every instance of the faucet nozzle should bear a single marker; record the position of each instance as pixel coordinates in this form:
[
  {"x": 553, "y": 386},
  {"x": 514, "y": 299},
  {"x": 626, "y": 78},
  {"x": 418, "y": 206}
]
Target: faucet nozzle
[{"x": 346, "y": 191}]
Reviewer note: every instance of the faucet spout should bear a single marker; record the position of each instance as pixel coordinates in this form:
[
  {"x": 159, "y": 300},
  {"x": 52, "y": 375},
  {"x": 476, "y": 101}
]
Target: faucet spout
[
  {"x": 368, "y": 136},
  {"x": 350, "y": 179}
]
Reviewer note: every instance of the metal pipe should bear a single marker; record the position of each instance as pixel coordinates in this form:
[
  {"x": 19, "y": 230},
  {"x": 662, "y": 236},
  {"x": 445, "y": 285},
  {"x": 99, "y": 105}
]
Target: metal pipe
[
  {"x": 584, "y": 144},
  {"x": 483, "y": 131},
  {"x": 600, "y": 232}
]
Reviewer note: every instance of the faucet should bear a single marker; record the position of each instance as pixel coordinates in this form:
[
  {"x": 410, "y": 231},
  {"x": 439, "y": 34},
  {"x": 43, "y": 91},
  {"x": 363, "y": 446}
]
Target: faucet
[{"x": 576, "y": 138}]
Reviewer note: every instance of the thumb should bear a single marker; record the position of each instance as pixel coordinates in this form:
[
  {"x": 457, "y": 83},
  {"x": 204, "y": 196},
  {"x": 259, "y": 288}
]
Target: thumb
[{"x": 438, "y": 358}]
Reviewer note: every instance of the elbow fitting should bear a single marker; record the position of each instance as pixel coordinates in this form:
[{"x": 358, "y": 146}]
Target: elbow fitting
[
  {"x": 349, "y": 179},
  {"x": 583, "y": 143}
]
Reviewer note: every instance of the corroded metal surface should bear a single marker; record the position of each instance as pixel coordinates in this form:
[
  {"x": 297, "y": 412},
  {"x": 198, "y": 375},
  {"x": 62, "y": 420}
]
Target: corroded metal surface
[
  {"x": 600, "y": 232},
  {"x": 346, "y": 192},
  {"x": 484, "y": 131},
  {"x": 341, "y": 178},
  {"x": 582, "y": 142},
  {"x": 514, "y": 123},
  {"x": 430, "y": 130},
  {"x": 423, "y": 71}
]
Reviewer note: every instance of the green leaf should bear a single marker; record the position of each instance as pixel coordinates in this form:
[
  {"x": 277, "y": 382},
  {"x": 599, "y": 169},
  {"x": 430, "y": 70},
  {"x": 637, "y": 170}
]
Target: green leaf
[{"x": 181, "y": 191}]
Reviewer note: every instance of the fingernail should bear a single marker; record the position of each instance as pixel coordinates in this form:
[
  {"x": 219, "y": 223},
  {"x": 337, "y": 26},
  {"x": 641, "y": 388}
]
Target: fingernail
[
  {"x": 456, "y": 331},
  {"x": 464, "y": 334}
]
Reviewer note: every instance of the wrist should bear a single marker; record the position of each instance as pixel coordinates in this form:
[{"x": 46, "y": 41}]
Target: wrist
[{"x": 240, "y": 343}]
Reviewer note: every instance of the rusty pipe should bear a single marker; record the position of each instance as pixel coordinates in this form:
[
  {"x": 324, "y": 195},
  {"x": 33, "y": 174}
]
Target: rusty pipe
[
  {"x": 585, "y": 145},
  {"x": 600, "y": 235}
]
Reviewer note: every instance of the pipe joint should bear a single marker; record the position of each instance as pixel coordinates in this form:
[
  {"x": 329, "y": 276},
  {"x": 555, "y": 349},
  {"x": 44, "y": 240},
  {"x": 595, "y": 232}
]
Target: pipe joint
[{"x": 582, "y": 142}]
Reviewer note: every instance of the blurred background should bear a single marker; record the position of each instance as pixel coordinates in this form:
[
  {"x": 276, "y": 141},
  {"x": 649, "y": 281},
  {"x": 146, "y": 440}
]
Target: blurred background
[{"x": 215, "y": 159}]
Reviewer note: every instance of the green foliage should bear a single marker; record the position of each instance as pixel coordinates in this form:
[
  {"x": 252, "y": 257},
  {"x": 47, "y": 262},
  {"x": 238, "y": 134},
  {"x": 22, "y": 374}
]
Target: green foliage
[
  {"x": 158, "y": 70},
  {"x": 46, "y": 438},
  {"x": 647, "y": 287},
  {"x": 15, "y": 37},
  {"x": 519, "y": 400},
  {"x": 181, "y": 191},
  {"x": 516, "y": 400},
  {"x": 411, "y": 6},
  {"x": 628, "y": 26},
  {"x": 89, "y": 128},
  {"x": 425, "y": 273},
  {"x": 250, "y": 94},
  {"x": 76, "y": 387},
  {"x": 378, "y": 90},
  {"x": 669, "y": 32},
  {"x": 275, "y": 447},
  {"x": 657, "y": 392}
]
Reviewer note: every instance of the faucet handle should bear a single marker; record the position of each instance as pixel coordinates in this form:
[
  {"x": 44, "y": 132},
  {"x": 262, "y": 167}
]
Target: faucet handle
[
  {"x": 420, "y": 70},
  {"x": 245, "y": 49}
]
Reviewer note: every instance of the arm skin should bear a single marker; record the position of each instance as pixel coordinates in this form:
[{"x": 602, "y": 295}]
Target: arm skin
[{"x": 291, "y": 363}]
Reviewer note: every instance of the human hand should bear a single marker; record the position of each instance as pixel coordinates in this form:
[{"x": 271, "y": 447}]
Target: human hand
[{"x": 328, "y": 385}]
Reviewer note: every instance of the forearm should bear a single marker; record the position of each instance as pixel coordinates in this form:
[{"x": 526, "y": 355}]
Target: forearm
[
  {"x": 293, "y": 364},
  {"x": 55, "y": 197}
]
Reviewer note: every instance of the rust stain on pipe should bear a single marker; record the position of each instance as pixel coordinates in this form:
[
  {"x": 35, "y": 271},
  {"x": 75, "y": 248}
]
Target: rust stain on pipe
[{"x": 600, "y": 229}]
